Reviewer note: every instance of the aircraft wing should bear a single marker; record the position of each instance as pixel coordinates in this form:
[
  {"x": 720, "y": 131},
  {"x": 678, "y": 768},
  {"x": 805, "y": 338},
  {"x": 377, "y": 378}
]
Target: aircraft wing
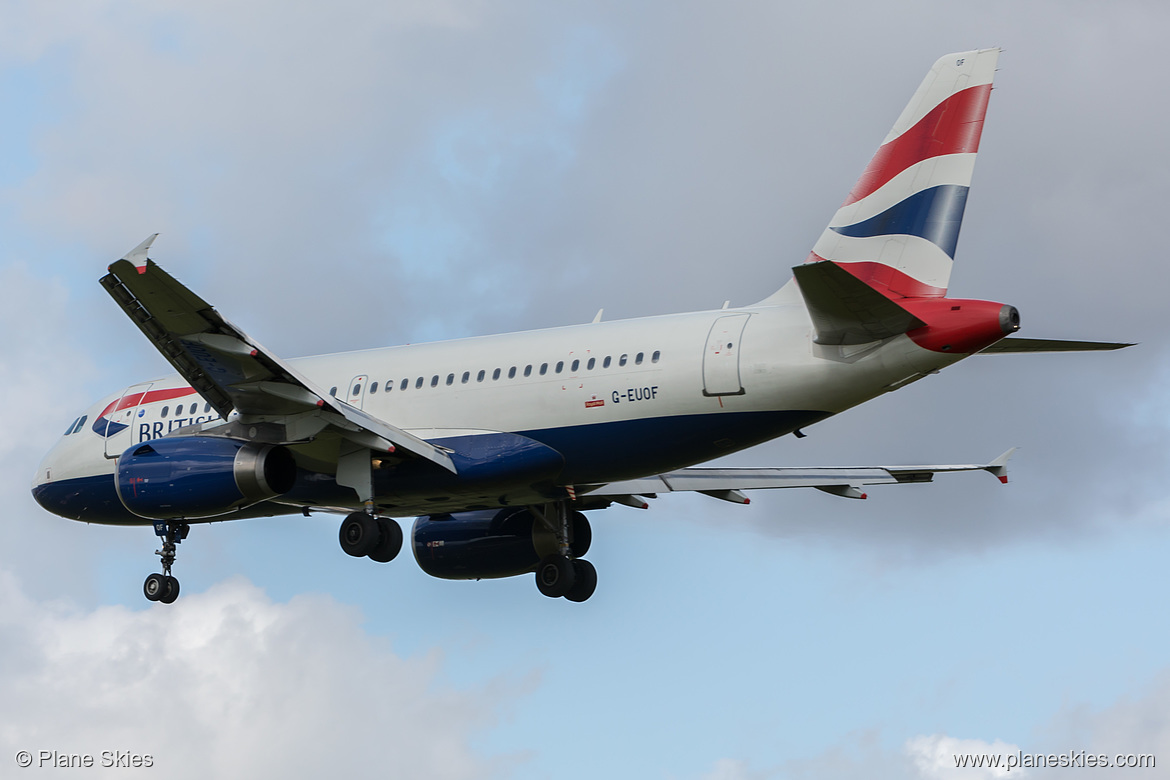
[
  {"x": 230, "y": 370},
  {"x": 727, "y": 483}
]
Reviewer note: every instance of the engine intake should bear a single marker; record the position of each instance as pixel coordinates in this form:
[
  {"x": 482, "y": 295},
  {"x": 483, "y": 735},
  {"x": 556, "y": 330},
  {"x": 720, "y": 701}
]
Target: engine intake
[{"x": 192, "y": 477}]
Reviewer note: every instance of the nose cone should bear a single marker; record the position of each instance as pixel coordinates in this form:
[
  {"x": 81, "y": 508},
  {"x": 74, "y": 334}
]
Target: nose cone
[
  {"x": 40, "y": 495},
  {"x": 43, "y": 489},
  {"x": 43, "y": 483}
]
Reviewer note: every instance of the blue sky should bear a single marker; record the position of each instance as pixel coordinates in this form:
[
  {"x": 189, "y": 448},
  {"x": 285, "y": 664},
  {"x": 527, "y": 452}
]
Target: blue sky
[{"x": 375, "y": 174}]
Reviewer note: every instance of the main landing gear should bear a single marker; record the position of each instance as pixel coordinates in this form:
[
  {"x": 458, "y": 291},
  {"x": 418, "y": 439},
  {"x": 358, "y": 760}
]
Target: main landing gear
[
  {"x": 364, "y": 534},
  {"x": 163, "y": 587},
  {"x": 564, "y": 574}
]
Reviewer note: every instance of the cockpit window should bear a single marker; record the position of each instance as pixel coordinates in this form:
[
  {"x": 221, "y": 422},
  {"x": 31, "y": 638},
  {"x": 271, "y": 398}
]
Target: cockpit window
[
  {"x": 72, "y": 427},
  {"x": 80, "y": 423}
]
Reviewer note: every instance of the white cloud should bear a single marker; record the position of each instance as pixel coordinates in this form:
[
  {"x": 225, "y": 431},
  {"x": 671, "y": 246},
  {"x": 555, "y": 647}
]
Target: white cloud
[
  {"x": 935, "y": 757},
  {"x": 732, "y": 769},
  {"x": 1131, "y": 726},
  {"x": 228, "y": 683}
]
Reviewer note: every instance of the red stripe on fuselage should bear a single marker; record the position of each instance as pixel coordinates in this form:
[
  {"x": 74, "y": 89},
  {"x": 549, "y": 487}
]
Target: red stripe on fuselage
[
  {"x": 128, "y": 401},
  {"x": 951, "y": 127}
]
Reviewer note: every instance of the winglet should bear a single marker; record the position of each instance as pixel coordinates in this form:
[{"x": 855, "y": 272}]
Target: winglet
[
  {"x": 998, "y": 467},
  {"x": 137, "y": 255}
]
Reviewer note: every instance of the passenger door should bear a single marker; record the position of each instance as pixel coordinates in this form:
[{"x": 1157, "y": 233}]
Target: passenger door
[
  {"x": 721, "y": 356},
  {"x": 123, "y": 423},
  {"x": 356, "y": 394}
]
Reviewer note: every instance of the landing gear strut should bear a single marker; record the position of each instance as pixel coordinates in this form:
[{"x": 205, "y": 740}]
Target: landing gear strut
[
  {"x": 163, "y": 587},
  {"x": 563, "y": 573},
  {"x": 378, "y": 538}
]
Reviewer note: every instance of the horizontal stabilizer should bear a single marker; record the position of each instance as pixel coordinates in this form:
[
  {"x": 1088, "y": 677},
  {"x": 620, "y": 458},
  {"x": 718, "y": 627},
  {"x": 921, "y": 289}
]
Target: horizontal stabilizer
[
  {"x": 846, "y": 310},
  {"x": 1009, "y": 345}
]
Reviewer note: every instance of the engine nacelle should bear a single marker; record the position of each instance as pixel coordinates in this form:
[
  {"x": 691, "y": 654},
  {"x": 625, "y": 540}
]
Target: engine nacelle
[
  {"x": 192, "y": 477},
  {"x": 489, "y": 543}
]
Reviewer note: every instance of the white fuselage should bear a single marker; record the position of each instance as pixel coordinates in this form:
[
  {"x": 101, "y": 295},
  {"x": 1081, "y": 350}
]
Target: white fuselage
[{"x": 617, "y": 399}]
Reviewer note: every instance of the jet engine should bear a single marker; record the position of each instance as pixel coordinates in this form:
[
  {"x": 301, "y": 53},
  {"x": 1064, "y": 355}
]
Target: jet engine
[
  {"x": 490, "y": 543},
  {"x": 192, "y": 477}
]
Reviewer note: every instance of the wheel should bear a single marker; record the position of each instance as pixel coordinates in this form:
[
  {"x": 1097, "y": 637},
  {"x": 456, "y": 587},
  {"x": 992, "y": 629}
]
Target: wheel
[
  {"x": 584, "y": 581},
  {"x": 582, "y": 535},
  {"x": 554, "y": 576},
  {"x": 389, "y": 543},
  {"x": 171, "y": 592},
  {"x": 155, "y": 587},
  {"x": 359, "y": 534}
]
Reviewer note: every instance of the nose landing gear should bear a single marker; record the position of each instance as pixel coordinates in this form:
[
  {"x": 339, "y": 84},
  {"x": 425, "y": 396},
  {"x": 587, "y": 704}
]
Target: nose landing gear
[{"x": 163, "y": 587}]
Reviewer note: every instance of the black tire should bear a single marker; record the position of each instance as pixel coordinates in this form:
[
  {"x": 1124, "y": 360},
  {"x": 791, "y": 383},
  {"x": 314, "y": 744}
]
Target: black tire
[
  {"x": 155, "y": 587},
  {"x": 389, "y": 543},
  {"x": 172, "y": 591},
  {"x": 582, "y": 535},
  {"x": 554, "y": 576},
  {"x": 584, "y": 581},
  {"x": 359, "y": 534}
]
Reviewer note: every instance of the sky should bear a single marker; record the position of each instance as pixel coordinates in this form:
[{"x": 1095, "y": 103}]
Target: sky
[{"x": 364, "y": 174}]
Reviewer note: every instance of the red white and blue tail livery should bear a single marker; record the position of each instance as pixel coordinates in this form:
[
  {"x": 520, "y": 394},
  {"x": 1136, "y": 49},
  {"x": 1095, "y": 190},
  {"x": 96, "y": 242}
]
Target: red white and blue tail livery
[
  {"x": 498, "y": 445},
  {"x": 899, "y": 227}
]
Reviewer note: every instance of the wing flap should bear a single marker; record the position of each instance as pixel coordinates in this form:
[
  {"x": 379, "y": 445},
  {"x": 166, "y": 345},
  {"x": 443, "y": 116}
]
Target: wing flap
[{"x": 843, "y": 481}]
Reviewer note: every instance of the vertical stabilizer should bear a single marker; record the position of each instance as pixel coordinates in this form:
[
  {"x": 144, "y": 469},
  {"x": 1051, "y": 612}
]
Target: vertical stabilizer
[{"x": 898, "y": 229}]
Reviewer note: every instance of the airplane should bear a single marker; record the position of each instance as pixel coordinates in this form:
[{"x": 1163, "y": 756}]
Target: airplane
[{"x": 499, "y": 444}]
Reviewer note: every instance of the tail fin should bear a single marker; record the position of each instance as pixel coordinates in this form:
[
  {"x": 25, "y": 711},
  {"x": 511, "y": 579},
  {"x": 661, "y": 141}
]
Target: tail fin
[{"x": 898, "y": 229}]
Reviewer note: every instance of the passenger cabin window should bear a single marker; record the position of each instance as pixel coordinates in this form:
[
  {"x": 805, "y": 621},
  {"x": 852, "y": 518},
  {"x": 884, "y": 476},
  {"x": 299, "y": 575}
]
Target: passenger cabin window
[
  {"x": 479, "y": 377},
  {"x": 638, "y": 359},
  {"x": 333, "y": 391},
  {"x": 373, "y": 387},
  {"x": 405, "y": 384},
  {"x": 622, "y": 360},
  {"x": 435, "y": 381},
  {"x": 357, "y": 389},
  {"x": 495, "y": 374},
  {"x": 576, "y": 364},
  {"x": 193, "y": 408},
  {"x": 527, "y": 370},
  {"x": 592, "y": 362},
  {"x": 654, "y": 358},
  {"x": 605, "y": 363},
  {"x": 206, "y": 408},
  {"x": 418, "y": 382},
  {"x": 512, "y": 372},
  {"x": 543, "y": 369},
  {"x": 165, "y": 409},
  {"x": 450, "y": 379},
  {"x": 560, "y": 366},
  {"x": 466, "y": 376}
]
